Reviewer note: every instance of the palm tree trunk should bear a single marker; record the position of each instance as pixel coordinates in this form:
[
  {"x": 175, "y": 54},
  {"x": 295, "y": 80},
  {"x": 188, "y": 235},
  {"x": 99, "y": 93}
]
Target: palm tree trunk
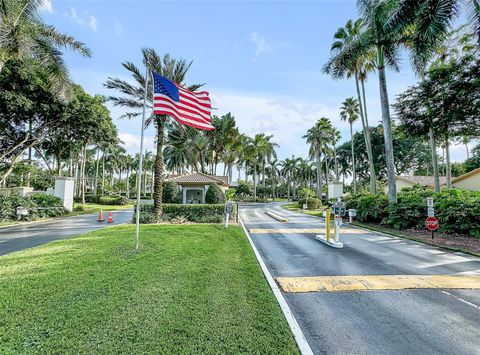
[
  {"x": 97, "y": 170},
  {"x": 387, "y": 128},
  {"x": 354, "y": 168},
  {"x": 366, "y": 136},
  {"x": 373, "y": 176},
  {"x": 128, "y": 182},
  {"x": 468, "y": 153},
  {"x": 319, "y": 177},
  {"x": 337, "y": 177},
  {"x": 103, "y": 173},
  {"x": 255, "y": 182},
  {"x": 151, "y": 182},
  {"x": 158, "y": 186},
  {"x": 433, "y": 150},
  {"x": 83, "y": 172},
  {"x": 246, "y": 173},
  {"x": 326, "y": 172},
  {"x": 263, "y": 173},
  {"x": 449, "y": 168}
]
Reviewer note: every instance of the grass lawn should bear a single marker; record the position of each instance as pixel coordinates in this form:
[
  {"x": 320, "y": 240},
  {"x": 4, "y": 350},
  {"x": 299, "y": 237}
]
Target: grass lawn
[
  {"x": 95, "y": 208},
  {"x": 295, "y": 208},
  {"x": 189, "y": 289}
]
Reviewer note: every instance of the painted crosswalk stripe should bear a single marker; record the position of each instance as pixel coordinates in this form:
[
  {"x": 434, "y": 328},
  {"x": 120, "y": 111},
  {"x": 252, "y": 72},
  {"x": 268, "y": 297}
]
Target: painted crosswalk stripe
[{"x": 377, "y": 282}]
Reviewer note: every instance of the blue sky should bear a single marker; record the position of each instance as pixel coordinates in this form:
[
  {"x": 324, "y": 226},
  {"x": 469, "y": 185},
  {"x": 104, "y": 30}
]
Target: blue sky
[{"x": 259, "y": 60}]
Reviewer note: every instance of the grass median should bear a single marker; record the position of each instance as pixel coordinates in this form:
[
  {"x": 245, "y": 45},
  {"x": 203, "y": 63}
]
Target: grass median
[{"x": 189, "y": 289}]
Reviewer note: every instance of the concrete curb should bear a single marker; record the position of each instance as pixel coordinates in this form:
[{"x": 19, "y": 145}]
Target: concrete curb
[
  {"x": 331, "y": 243},
  {"x": 276, "y": 216},
  {"x": 302, "y": 342}
]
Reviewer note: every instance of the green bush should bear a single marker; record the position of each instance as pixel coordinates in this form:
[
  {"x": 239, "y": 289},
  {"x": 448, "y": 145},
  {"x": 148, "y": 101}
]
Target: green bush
[
  {"x": 172, "y": 193},
  {"x": 411, "y": 209},
  {"x": 113, "y": 200},
  {"x": 214, "y": 195},
  {"x": 370, "y": 207},
  {"x": 213, "y": 213},
  {"x": 38, "y": 205},
  {"x": 312, "y": 203}
]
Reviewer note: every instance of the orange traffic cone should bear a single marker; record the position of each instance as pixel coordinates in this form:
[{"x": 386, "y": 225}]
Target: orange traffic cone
[
  {"x": 100, "y": 216},
  {"x": 110, "y": 218}
]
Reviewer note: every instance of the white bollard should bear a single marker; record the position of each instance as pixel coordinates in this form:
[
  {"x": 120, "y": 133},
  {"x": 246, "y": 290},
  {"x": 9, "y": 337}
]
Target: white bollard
[{"x": 226, "y": 220}]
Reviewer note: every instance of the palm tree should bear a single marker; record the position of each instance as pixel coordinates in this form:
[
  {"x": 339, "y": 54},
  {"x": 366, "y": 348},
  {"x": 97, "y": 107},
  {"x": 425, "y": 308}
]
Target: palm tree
[
  {"x": 274, "y": 171},
  {"x": 349, "y": 112},
  {"x": 431, "y": 21},
  {"x": 319, "y": 137},
  {"x": 23, "y": 35},
  {"x": 289, "y": 170},
  {"x": 358, "y": 67},
  {"x": 266, "y": 150},
  {"x": 336, "y": 136},
  {"x": 132, "y": 97}
]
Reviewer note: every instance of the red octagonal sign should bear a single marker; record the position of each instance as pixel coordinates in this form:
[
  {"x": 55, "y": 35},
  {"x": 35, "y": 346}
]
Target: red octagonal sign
[{"x": 431, "y": 223}]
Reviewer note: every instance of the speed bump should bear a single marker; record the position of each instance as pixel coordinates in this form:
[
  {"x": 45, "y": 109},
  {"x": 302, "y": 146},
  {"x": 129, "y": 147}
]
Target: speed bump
[{"x": 377, "y": 282}]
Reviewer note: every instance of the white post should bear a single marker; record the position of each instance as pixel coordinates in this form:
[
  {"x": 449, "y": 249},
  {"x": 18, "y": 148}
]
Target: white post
[
  {"x": 140, "y": 167},
  {"x": 226, "y": 220}
]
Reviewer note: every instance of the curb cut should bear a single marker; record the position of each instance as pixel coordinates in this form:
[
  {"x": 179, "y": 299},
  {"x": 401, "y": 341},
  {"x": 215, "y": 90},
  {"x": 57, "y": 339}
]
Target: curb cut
[
  {"x": 276, "y": 216},
  {"x": 300, "y": 339}
]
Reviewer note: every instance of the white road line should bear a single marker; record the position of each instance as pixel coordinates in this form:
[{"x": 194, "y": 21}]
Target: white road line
[
  {"x": 302, "y": 342},
  {"x": 461, "y": 300}
]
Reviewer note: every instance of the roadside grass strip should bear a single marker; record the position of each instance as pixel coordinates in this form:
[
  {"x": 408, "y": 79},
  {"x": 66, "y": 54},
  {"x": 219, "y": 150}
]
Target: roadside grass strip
[
  {"x": 276, "y": 216},
  {"x": 376, "y": 283},
  {"x": 189, "y": 289}
]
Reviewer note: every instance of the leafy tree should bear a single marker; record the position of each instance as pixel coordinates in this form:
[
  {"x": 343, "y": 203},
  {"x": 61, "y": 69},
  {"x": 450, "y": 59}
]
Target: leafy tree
[
  {"x": 214, "y": 194},
  {"x": 24, "y": 36},
  {"x": 172, "y": 193}
]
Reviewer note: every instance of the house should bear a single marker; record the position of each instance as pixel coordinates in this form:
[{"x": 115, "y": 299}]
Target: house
[
  {"x": 410, "y": 181},
  {"x": 195, "y": 185},
  {"x": 467, "y": 181}
]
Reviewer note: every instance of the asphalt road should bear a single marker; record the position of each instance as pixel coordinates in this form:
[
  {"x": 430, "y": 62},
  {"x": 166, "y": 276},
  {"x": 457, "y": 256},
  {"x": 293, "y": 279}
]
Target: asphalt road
[
  {"x": 20, "y": 237},
  {"x": 422, "y": 321}
]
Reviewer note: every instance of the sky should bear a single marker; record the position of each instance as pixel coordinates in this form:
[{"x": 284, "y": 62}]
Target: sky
[{"x": 260, "y": 60}]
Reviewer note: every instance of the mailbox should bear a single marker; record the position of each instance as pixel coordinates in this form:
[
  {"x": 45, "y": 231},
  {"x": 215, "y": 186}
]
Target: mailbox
[{"x": 21, "y": 212}]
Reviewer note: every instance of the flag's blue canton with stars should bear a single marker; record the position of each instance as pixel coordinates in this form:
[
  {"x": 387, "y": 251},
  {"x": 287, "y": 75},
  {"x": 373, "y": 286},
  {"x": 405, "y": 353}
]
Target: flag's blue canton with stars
[
  {"x": 164, "y": 86},
  {"x": 187, "y": 107}
]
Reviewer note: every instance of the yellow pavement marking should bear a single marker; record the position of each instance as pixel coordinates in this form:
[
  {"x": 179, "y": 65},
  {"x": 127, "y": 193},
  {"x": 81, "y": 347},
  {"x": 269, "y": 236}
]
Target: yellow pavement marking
[
  {"x": 376, "y": 282},
  {"x": 303, "y": 230},
  {"x": 285, "y": 230}
]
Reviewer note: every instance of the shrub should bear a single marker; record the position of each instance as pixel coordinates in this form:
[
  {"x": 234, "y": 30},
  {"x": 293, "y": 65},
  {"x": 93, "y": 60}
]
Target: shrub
[
  {"x": 113, "y": 200},
  {"x": 370, "y": 207},
  {"x": 38, "y": 205},
  {"x": 312, "y": 203},
  {"x": 213, "y": 213},
  {"x": 172, "y": 193},
  {"x": 411, "y": 209},
  {"x": 214, "y": 195}
]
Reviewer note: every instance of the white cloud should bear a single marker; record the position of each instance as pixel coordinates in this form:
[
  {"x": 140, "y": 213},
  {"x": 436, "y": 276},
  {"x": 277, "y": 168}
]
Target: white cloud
[
  {"x": 287, "y": 118},
  {"x": 46, "y": 6},
  {"x": 84, "y": 19},
  {"x": 117, "y": 28},
  {"x": 261, "y": 44},
  {"x": 131, "y": 142}
]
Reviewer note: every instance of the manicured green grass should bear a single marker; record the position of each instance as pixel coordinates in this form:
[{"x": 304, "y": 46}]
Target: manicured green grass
[
  {"x": 189, "y": 289},
  {"x": 295, "y": 208},
  {"x": 95, "y": 208}
]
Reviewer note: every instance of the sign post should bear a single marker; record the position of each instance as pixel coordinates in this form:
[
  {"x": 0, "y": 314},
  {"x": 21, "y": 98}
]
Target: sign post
[
  {"x": 228, "y": 212},
  {"x": 431, "y": 222}
]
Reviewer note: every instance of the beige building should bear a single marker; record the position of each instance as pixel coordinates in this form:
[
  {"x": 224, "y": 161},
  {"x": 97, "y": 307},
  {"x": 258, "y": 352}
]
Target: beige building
[
  {"x": 195, "y": 185},
  {"x": 467, "y": 181}
]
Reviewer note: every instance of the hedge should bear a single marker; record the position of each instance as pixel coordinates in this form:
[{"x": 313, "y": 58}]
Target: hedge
[
  {"x": 457, "y": 210},
  {"x": 113, "y": 200},
  {"x": 208, "y": 213},
  {"x": 38, "y": 205},
  {"x": 312, "y": 203}
]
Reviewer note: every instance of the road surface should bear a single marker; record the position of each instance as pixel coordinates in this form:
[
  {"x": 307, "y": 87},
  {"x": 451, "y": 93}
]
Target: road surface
[
  {"x": 20, "y": 237},
  {"x": 407, "y": 321}
]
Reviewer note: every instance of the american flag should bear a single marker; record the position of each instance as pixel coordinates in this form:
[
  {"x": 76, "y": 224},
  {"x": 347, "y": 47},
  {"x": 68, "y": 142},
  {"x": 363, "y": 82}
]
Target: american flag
[{"x": 187, "y": 107}]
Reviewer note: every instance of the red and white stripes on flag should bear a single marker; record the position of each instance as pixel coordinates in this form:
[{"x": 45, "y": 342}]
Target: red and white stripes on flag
[{"x": 187, "y": 107}]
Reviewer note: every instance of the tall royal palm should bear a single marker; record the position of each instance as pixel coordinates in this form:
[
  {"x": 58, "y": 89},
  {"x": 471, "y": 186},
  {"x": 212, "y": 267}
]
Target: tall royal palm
[
  {"x": 357, "y": 67},
  {"x": 23, "y": 35},
  {"x": 131, "y": 96},
  {"x": 349, "y": 112}
]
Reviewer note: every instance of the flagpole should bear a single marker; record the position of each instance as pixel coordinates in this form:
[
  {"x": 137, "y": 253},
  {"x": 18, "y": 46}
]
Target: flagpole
[{"x": 140, "y": 164}]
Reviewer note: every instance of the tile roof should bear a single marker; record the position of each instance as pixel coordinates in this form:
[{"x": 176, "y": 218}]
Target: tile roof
[
  {"x": 470, "y": 173},
  {"x": 422, "y": 180},
  {"x": 194, "y": 178}
]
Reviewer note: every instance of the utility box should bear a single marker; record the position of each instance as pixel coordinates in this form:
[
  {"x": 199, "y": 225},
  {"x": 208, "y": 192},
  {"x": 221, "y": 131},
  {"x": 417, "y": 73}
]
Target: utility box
[
  {"x": 335, "y": 190},
  {"x": 64, "y": 189}
]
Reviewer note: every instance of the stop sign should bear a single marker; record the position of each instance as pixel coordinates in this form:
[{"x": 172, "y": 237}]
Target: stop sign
[{"x": 431, "y": 223}]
